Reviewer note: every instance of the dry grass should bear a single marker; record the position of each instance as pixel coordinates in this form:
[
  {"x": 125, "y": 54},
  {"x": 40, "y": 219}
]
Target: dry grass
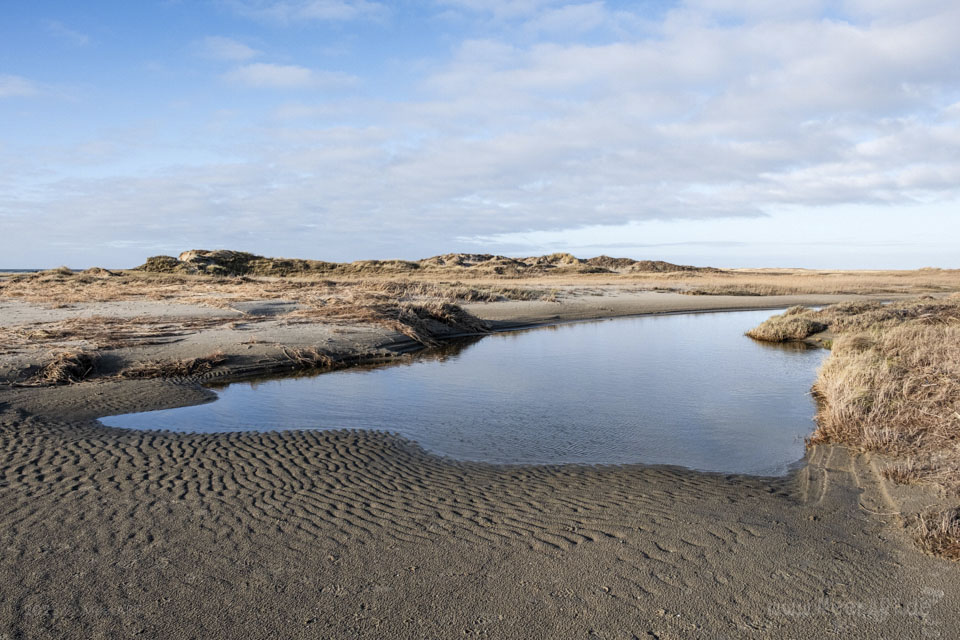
[
  {"x": 59, "y": 289},
  {"x": 767, "y": 282},
  {"x": 423, "y": 311},
  {"x": 892, "y": 385},
  {"x": 175, "y": 368},
  {"x": 790, "y": 325},
  {"x": 455, "y": 284},
  {"x": 938, "y": 469},
  {"x": 452, "y": 291},
  {"x": 104, "y": 333},
  {"x": 422, "y": 322},
  {"x": 66, "y": 367},
  {"x": 939, "y": 532},
  {"x": 308, "y": 357},
  {"x": 420, "y": 310},
  {"x": 892, "y": 382},
  {"x": 893, "y": 389}
]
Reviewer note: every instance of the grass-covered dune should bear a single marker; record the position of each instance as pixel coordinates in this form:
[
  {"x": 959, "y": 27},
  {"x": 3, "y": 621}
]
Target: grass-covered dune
[
  {"x": 891, "y": 385},
  {"x": 233, "y": 263}
]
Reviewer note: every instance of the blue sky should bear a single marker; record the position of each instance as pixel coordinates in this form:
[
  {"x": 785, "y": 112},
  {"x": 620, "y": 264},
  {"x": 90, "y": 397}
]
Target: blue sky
[{"x": 723, "y": 132}]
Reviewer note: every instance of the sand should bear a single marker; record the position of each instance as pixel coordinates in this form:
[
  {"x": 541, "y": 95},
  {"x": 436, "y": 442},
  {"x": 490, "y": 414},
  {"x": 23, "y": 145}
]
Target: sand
[{"x": 109, "y": 533}]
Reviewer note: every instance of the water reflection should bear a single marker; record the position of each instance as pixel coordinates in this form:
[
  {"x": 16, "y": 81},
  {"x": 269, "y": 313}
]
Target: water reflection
[{"x": 689, "y": 390}]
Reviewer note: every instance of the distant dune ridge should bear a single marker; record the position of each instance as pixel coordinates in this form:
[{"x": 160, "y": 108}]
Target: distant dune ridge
[{"x": 226, "y": 262}]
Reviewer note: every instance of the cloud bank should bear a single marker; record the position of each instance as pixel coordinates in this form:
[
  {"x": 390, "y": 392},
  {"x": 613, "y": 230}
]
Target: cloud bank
[{"x": 551, "y": 116}]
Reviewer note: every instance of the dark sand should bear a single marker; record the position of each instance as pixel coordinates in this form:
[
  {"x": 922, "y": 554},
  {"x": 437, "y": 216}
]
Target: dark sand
[{"x": 109, "y": 533}]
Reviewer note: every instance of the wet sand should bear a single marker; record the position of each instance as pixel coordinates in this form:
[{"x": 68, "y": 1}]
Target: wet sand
[{"x": 111, "y": 533}]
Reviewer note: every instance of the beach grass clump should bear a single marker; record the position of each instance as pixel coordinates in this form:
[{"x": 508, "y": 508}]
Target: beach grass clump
[
  {"x": 67, "y": 367},
  {"x": 793, "y": 324},
  {"x": 938, "y": 532},
  {"x": 895, "y": 390},
  {"x": 425, "y": 322},
  {"x": 182, "y": 368}
]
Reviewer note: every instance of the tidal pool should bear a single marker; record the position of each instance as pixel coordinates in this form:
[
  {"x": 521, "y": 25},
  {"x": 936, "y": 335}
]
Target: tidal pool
[{"x": 688, "y": 390}]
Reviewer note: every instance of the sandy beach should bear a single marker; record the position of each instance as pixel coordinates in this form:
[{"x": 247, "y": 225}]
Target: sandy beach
[{"x": 112, "y": 533}]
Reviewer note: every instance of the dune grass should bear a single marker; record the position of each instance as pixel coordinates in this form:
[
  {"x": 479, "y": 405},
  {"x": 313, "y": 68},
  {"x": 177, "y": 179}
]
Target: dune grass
[
  {"x": 793, "y": 324},
  {"x": 892, "y": 382},
  {"x": 58, "y": 288},
  {"x": 892, "y": 385},
  {"x": 939, "y": 532},
  {"x": 423, "y": 311},
  {"x": 66, "y": 367}
]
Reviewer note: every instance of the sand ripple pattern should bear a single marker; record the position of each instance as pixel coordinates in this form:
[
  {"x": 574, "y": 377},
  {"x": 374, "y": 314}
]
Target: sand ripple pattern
[
  {"x": 343, "y": 485},
  {"x": 108, "y": 533}
]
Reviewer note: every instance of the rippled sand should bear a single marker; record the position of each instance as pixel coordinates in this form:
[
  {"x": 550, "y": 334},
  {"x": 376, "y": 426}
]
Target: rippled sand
[{"x": 109, "y": 533}]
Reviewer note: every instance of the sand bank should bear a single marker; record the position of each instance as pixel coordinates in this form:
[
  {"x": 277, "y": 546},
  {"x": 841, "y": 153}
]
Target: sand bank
[{"x": 256, "y": 335}]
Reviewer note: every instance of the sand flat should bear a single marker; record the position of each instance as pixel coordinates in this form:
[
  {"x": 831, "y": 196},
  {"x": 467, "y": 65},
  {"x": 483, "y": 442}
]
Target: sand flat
[{"x": 111, "y": 533}]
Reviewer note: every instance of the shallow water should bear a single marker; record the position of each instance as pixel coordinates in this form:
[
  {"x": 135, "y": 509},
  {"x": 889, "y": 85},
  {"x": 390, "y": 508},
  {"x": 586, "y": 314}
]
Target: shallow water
[{"x": 687, "y": 390}]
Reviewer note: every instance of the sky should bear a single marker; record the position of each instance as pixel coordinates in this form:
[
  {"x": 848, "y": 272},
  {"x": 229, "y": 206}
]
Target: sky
[{"x": 731, "y": 133}]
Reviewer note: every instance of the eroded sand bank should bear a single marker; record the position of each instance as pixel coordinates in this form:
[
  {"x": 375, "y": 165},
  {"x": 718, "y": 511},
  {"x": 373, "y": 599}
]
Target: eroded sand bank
[{"x": 110, "y": 533}]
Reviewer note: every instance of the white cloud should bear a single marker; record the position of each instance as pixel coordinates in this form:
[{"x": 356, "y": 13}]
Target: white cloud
[
  {"x": 568, "y": 19},
  {"x": 761, "y": 10},
  {"x": 66, "y": 34},
  {"x": 859, "y": 237},
  {"x": 221, "y": 48},
  {"x": 16, "y": 86},
  {"x": 505, "y": 9},
  {"x": 285, "y": 11},
  {"x": 277, "y": 76}
]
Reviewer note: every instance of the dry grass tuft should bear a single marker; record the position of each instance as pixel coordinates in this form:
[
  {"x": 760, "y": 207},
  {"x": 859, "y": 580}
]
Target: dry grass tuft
[
  {"x": 309, "y": 357},
  {"x": 939, "y": 532},
  {"x": 67, "y": 367},
  {"x": 787, "y": 326},
  {"x": 939, "y": 469},
  {"x": 896, "y": 389},
  {"x": 175, "y": 368},
  {"x": 424, "y": 322}
]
